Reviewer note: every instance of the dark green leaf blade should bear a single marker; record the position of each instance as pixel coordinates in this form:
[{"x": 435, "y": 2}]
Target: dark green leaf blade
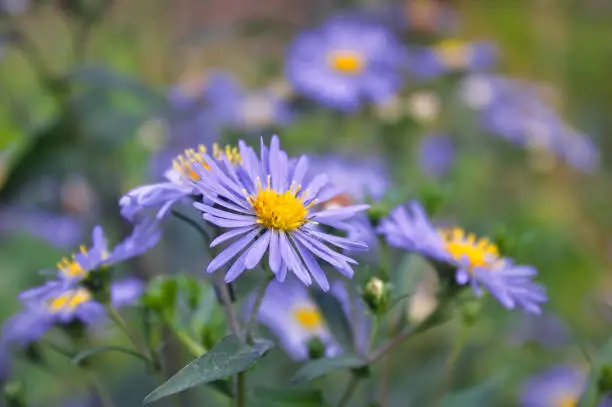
[
  {"x": 336, "y": 318},
  {"x": 86, "y": 354},
  {"x": 226, "y": 358},
  {"x": 319, "y": 367}
]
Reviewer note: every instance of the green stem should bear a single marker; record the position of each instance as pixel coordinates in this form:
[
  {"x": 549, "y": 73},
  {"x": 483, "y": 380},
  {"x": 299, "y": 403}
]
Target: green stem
[
  {"x": 194, "y": 348},
  {"x": 241, "y": 389},
  {"x": 118, "y": 320},
  {"x": 102, "y": 392},
  {"x": 458, "y": 346},
  {"x": 349, "y": 391},
  {"x": 207, "y": 239}
]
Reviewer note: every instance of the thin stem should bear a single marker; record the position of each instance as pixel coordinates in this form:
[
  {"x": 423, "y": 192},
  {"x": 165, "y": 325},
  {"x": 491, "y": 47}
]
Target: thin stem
[
  {"x": 256, "y": 306},
  {"x": 102, "y": 392},
  {"x": 118, "y": 320},
  {"x": 458, "y": 345},
  {"x": 349, "y": 391},
  {"x": 228, "y": 308},
  {"x": 193, "y": 224},
  {"x": 195, "y": 348},
  {"x": 241, "y": 389}
]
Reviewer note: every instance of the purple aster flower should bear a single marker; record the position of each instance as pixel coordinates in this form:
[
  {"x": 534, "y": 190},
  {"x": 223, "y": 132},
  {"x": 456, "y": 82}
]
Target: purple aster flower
[
  {"x": 436, "y": 155},
  {"x": 513, "y": 110},
  {"x": 126, "y": 291},
  {"x": 293, "y": 316},
  {"x": 161, "y": 197},
  {"x": 145, "y": 236},
  {"x": 346, "y": 62},
  {"x": 265, "y": 206},
  {"x": 450, "y": 56},
  {"x": 355, "y": 310},
  {"x": 476, "y": 261},
  {"x": 57, "y": 229},
  {"x": 558, "y": 386}
]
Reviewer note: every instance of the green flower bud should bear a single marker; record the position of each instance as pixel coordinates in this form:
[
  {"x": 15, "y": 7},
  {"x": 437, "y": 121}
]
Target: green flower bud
[
  {"x": 376, "y": 295},
  {"x": 316, "y": 348}
]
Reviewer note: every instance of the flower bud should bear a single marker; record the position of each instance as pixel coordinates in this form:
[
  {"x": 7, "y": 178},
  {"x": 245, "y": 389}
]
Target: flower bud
[
  {"x": 316, "y": 348},
  {"x": 376, "y": 295}
]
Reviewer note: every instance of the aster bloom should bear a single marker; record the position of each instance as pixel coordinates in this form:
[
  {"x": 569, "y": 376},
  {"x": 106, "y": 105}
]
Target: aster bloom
[
  {"x": 346, "y": 62},
  {"x": 294, "y": 317},
  {"x": 451, "y": 56},
  {"x": 436, "y": 154},
  {"x": 62, "y": 302},
  {"x": 512, "y": 109},
  {"x": 264, "y": 205},
  {"x": 476, "y": 261},
  {"x": 558, "y": 386},
  {"x": 161, "y": 197},
  {"x": 145, "y": 236}
]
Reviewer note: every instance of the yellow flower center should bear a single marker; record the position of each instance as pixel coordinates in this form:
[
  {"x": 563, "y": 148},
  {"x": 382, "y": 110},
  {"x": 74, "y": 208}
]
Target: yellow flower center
[
  {"x": 567, "y": 401},
  {"x": 182, "y": 163},
  {"x": 70, "y": 300},
  {"x": 308, "y": 317},
  {"x": 284, "y": 211},
  {"x": 454, "y": 53},
  {"x": 346, "y": 61},
  {"x": 72, "y": 268},
  {"x": 478, "y": 252}
]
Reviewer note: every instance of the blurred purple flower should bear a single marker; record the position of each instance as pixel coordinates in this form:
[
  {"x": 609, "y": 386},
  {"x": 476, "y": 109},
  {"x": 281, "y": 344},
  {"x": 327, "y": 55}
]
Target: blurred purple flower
[
  {"x": 558, "y": 386},
  {"x": 13, "y": 6},
  {"x": 356, "y": 313},
  {"x": 294, "y": 317},
  {"x": 436, "y": 154},
  {"x": 476, "y": 261},
  {"x": 144, "y": 236},
  {"x": 451, "y": 56},
  {"x": 346, "y": 62},
  {"x": 546, "y": 329},
  {"x": 57, "y": 229},
  {"x": 126, "y": 291}
]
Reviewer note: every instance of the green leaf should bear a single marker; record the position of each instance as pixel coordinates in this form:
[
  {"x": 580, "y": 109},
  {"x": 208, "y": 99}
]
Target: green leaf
[
  {"x": 319, "y": 367},
  {"x": 229, "y": 357},
  {"x": 476, "y": 396},
  {"x": 267, "y": 396},
  {"x": 336, "y": 318},
  {"x": 222, "y": 386},
  {"x": 80, "y": 357}
]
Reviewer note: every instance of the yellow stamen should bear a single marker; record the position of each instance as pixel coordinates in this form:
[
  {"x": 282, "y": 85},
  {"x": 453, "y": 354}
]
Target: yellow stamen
[
  {"x": 454, "y": 53},
  {"x": 70, "y": 300},
  {"x": 567, "y": 401},
  {"x": 308, "y": 317},
  {"x": 182, "y": 163},
  {"x": 347, "y": 62},
  {"x": 478, "y": 252},
  {"x": 284, "y": 211},
  {"x": 72, "y": 268}
]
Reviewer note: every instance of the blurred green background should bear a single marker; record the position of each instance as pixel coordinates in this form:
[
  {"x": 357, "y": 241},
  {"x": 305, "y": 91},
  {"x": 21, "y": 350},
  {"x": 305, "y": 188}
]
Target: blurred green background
[{"x": 122, "y": 65}]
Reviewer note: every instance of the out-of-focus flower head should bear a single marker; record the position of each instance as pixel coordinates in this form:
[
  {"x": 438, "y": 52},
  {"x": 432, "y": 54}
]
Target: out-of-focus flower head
[
  {"x": 346, "y": 62},
  {"x": 451, "y": 56},
  {"x": 159, "y": 198},
  {"x": 546, "y": 329},
  {"x": 558, "y": 386},
  {"x": 355, "y": 311},
  {"x": 513, "y": 109},
  {"x": 476, "y": 261},
  {"x": 267, "y": 204},
  {"x": 13, "y": 6},
  {"x": 295, "y": 319},
  {"x": 436, "y": 154},
  {"x": 57, "y": 229},
  {"x": 61, "y": 302},
  {"x": 430, "y": 16},
  {"x": 424, "y": 106},
  {"x": 144, "y": 236}
]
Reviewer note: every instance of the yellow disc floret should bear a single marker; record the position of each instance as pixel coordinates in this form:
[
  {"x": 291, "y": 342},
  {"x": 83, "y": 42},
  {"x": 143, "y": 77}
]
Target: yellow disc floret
[
  {"x": 182, "y": 163},
  {"x": 69, "y": 300},
  {"x": 567, "y": 401},
  {"x": 308, "y": 317},
  {"x": 454, "y": 53},
  {"x": 346, "y": 61},
  {"x": 276, "y": 211},
  {"x": 72, "y": 268},
  {"x": 462, "y": 246}
]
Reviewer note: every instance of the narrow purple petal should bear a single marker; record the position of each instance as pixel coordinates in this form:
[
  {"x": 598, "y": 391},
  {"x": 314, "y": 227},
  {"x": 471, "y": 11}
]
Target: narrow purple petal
[
  {"x": 275, "y": 259},
  {"x": 227, "y": 223},
  {"x": 313, "y": 267},
  {"x": 257, "y": 251},
  {"x": 231, "y": 251},
  {"x": 232, "y": 233}
]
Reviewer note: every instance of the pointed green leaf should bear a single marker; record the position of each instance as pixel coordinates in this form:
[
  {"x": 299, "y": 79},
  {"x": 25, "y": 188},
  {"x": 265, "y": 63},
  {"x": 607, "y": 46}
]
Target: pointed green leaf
[
  {"x": 94, "y": 351},
  {"x": 336, "y": 318},
  {"x": 315, "y": 368},
  {"x": 267, "y": 396},
  {"x": 228, "y": 357}
]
